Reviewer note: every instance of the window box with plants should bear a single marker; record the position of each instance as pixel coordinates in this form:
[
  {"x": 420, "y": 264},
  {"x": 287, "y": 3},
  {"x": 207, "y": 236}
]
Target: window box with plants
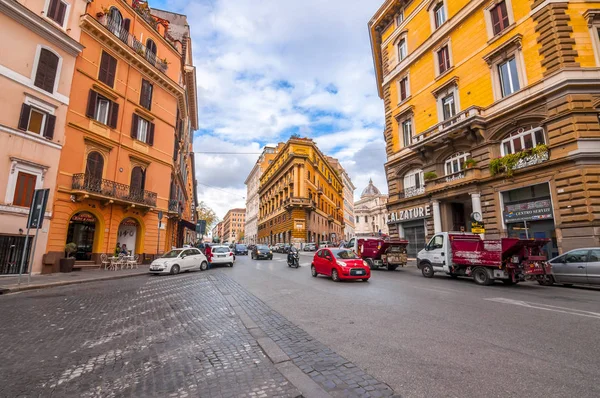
[
  {"x": 67, "y": 263},
  {"x": 509, "y": 163},
  {"x": 470, "y": 163},
  {"x": 430, "y": 175}
]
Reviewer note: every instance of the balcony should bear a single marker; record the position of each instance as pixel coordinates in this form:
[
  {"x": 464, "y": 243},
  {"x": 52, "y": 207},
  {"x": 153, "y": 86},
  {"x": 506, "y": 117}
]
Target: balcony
[
  {"x": 111, "y": 190},
  {"x": 410, "y": 192},
  {"x": 299, "y": 202},
  {"x": 116, "y": 28},
  {"x": 462, "y": 177},
  {"x": 463, "y": 123},
  {"x": 174, "y": 206}
]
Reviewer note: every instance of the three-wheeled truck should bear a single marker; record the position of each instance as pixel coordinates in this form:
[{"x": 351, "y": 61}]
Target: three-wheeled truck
[
  {"x": 510, "y": 260},
  {"x": 379, "y": 252}
]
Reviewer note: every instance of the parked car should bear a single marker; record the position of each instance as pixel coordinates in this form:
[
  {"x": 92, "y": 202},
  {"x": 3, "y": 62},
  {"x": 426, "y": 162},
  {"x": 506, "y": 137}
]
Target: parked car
[
  {"x": 286, "y": 248},
  {"x": 222, "y": 255},
  {"x": 340, "y": 264},
  {"x": 310, "y": 247},
  {"x": 579, "y": 266},
  {"x": 324, "y": 244},
  {"x": 278, "y": 248},
  {"x": 178, "y": 260},
  {"x": 241, "y": 249},
  {"x": 262, "y": 251}
]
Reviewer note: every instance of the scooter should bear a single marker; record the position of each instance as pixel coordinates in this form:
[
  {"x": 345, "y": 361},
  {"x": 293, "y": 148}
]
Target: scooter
[{"x": 294, "y": 261}]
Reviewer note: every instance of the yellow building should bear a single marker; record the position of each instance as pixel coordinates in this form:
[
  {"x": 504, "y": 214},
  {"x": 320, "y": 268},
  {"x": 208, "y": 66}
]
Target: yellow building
[
  {"x": 301, "y": 196},
  {"x": 491, "y": 110}
]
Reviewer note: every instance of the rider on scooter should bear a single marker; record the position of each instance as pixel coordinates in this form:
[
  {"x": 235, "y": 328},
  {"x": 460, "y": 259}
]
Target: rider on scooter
[{"x": 292, "y": 255}]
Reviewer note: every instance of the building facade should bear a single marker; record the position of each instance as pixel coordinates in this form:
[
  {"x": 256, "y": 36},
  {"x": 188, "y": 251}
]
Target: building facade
[
  {"x": 234, "y": 224},
  {"x": 132, "y": 111},
  {"x": 371, "y": 212},
  {"x": 491, "y": 113},
  {"x": 348, "y": 199},
  {"x": 217, "y": 232},
  {"x": 36, "y": 72},
  {"x": 301, "y": 196},
  {"x": 253, "y": 202}
]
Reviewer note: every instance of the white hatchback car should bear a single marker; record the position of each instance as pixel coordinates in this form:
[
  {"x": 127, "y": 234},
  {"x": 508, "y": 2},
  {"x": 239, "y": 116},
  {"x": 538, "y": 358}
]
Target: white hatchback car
[
  {"x": 178, "y": 260},
  {"x": 222, "y": 255}
]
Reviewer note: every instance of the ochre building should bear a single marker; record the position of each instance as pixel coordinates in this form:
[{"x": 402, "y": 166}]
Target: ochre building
[
  {"x": 491, "y": 112},
  {"x": 301, "y": 196},
  {"x": 128, "y": 135},
  {"x": 234, "y": 224}
]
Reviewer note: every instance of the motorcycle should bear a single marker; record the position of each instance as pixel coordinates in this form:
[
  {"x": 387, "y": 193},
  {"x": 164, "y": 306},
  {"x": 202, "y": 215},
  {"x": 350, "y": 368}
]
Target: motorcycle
[{"x": 293, "y": 259}]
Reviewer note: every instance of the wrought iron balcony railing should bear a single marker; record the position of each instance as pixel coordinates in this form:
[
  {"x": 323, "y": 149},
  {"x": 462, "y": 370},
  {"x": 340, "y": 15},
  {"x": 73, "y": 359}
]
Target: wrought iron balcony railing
[
  {"x": 112, "y": 189},
  {"x": 115, "y": 26},
  {"x": 411, "y": 191}
]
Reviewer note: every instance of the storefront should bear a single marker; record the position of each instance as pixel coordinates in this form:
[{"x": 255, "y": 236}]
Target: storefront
[
  {"x": 82, "y": 231},
  {"x": 528, "y": 213},
  {"x": 127, "y": 235},
  {"x": 411, "y": 224}
]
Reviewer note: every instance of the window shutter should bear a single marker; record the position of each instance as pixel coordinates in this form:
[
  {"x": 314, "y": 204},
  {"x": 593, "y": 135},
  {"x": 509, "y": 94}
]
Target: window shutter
[
  {"x": 112, "y": 70},
  {"x": 114, "y": 115},
  {"x": 91, "y": 107},
  {"x": 46, "y": 70},
  {"x": 134, "y": 126},
  {"x": 108, "y": 66},
  {"x": 49, "y": 128},
  {"x": 52, "y": 9},
  {"x": 126, "y": 24},
  {"x": 62, "y": 9},
  {"x": 24, "y": 118},
  {"x": 151, "y": 134},
  {"x": 103, "y": 70}
]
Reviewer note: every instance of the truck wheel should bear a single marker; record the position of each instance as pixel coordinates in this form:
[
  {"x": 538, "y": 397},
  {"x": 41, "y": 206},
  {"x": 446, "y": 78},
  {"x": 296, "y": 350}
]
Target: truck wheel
[
  {"x": 392, "y": 267},
  {"x": 427, "y": 270},
  {"x": 371, "y": 263},
  {"x": 481, "y": 276}
]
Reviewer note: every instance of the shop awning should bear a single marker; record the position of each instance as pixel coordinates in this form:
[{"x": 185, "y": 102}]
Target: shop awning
[{"x": 187, "y": 224}]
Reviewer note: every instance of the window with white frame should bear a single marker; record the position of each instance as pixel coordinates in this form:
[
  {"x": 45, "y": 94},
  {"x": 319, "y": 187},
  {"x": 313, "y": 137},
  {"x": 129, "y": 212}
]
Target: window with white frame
[
  {"x": 400, "y": 18},
  {"x": 509, "y": 77},
  {"x": 443, "y": 59},
  {"x": 407, "y": 132},
  {"x": 414, "y": 183},
  {"x": 593, "y": 22},
  {"x": 402, "y": 49},
  {"x": 403, "y": 89},
  {"x": 448, "y": 106},
  {"x": 142, "y": 133},
  {"x": 439, "y": 14},
  {"x": 57, "y": 11},
  {"x": 499, "y": 17},
  {"x": 522, "y": 140},
  {"x": 456, "y": 163},
  {"x": 102, "y": 109},
  {"x": 507, "y": 67},
  {"x": 448, "y": 103},
  {"x": 25, "y": 176}
]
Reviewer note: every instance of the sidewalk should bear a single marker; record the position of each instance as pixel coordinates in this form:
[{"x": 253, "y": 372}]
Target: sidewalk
[{"x": 9, "y": 284}]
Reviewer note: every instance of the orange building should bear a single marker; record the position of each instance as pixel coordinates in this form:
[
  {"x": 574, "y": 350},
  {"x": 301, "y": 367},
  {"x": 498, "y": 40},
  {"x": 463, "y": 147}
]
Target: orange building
[{"x": 126, "y": 160}]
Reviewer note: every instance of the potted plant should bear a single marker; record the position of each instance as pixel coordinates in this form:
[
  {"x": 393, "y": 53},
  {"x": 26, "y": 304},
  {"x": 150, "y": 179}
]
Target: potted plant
[
  {"x": 67, "y": 263},
  {"x": 102, "y": 14},
  {"x": 469, "y": 163},
  {"x": 430, "y": 175}
]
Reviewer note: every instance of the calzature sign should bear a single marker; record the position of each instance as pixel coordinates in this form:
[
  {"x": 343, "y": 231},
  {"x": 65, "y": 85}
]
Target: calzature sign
[{"x": 410, "y": 214}]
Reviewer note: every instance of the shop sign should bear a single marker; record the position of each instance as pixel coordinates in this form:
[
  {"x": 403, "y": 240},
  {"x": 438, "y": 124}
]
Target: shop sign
[
  {"x": 83, "y": 217},
  {"x": 477, "y": 227},
  {"x": 540, "y": 209},
  {"x": 409, "y": 214}
]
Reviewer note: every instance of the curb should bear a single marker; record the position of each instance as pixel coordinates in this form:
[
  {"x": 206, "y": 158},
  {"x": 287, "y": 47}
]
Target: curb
[{"x": 15, "y": 289}]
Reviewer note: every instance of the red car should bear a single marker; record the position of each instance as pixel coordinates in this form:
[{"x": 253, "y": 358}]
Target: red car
[{"x": 340, "y": 264}]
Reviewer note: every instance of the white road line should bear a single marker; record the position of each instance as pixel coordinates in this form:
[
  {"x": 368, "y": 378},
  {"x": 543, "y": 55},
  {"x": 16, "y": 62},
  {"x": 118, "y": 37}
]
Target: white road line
[{"x": 546, "y": 307}]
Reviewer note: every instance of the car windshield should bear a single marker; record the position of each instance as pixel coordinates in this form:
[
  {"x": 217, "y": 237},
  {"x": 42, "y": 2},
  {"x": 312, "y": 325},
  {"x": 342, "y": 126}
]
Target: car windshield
[
  {"x": 262, "y": 247},
  {"x": 344, "y": 254},
  {"x": 172, "y": 254},
  {"x": 220, "y": 249},
  {"x": 242, "y": 247}
]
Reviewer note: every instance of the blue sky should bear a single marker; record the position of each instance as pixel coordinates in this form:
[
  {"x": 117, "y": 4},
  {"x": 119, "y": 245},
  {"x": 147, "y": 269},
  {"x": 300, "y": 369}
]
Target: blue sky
[{"x": 267, "y": 69}]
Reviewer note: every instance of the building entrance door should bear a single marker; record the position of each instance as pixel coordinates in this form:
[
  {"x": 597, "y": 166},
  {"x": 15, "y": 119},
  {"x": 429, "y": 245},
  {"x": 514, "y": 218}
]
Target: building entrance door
[
  {"x": 127, "y": 234},
  {"x": 82, "y": 231}
]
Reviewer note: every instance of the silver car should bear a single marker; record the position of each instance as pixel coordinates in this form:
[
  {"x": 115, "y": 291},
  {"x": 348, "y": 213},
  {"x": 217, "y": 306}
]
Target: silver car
[{"x": 579, "y": 266}]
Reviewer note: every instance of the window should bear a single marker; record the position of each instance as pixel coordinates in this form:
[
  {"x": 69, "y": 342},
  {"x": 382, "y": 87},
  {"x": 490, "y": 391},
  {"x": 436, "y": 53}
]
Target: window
[
  {"x": 94, "y": 166},
  {"x": 47, "y": 68},
  {"x": 115, "y": 20},
  {"x": 576, "y": 256},
  {"x": 146, "y": 94},
  {"x": 437, "y": 242},
  {"x": 499, "y": 16},
  {"x": 439, "y": 14},
  {"x": 402, "y": 49},
  {"x": 443, "y": 56},
  {"x": 24, "y": 189},
  {"x": 56, "y": 11},
  {"x": 414, "y": 179},
  {"x": 509, "y": 78},
  {"x": 138, "y": 179},
  {"x": 404, "y": 89},
  {"x": 142, "y": 130},
  {"x": 366, "y": 219},
  {"x": 522, "y": 140},
  {"x": 400, "y": 18},
  {"x": 456, "y": 163},
  {"x": 37, "y": 121},
  {"x": 407, "y": 132},
  {"x": 108, "y": 68},
  {"x": 102, "y": 109},
  {"x": 151, "y": 51},
  {"x": 448, "y": 107}
]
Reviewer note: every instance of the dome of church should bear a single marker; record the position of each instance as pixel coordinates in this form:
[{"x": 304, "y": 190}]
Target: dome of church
[{"x": 370, "y": 190}]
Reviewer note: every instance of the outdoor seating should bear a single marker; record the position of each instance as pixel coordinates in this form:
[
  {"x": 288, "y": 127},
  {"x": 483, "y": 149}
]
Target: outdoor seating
[{"x": 105, "y": 261}]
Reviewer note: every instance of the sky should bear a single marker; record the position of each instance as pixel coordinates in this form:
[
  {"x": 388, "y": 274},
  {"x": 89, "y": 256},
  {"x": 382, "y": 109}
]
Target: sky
[{"x": 267, "y": 69}]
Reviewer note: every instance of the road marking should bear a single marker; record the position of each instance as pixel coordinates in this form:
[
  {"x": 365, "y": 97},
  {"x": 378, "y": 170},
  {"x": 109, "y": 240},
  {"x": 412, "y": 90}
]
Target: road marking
[{"x": 546, "y": 307}]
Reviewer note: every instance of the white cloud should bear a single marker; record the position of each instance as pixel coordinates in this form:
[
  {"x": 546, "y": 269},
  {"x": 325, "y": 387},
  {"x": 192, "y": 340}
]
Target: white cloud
[{"x": 268, "y": 68}]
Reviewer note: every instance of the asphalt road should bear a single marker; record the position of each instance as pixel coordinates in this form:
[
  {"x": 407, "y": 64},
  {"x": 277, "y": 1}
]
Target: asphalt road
[{"x": 441, "y": 337}]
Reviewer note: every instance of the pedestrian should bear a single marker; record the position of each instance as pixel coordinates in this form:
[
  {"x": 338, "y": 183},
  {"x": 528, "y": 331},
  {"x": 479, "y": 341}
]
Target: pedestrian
[
  {"x": 118, "y": 249},
  {"x": 124, "y": 249},
  {"x": 208, "y": 253}
]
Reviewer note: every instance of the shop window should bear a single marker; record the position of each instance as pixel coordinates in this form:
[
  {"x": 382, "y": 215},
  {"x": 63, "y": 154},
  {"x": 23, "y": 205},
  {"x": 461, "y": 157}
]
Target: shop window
[
  {"x": 47, "y": 70},
  {"x": 522, "y": 140},
  {"x": 456, "y": 163}
]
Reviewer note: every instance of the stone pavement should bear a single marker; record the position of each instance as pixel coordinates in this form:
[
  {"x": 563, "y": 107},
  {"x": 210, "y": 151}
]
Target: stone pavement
[
  {"x": 191, "y": 335},
  {"x": 9, "y": 284}
]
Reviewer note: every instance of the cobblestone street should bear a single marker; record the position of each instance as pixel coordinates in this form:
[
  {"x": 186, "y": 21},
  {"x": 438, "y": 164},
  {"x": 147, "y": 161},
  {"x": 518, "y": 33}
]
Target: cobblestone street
[{"x": 161, "y": 336}]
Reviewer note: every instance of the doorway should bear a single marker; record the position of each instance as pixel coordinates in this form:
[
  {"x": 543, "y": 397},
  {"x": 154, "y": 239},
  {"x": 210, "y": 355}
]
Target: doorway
[
  {"x": 127, "y": 234},
  {"x": 82, "y": 231}
]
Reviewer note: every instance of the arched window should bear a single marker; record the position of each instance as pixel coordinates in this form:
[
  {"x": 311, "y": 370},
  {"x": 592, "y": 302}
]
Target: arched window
[
  {"x": 47, "y": 67},
  {"x": 94, "y": 166},
  {"x": 522, "y": 140},
  {"x": 138, "y": 177},
  {"x": 456, "y": 162},
  {"x": 151, "y": 51},
  {"x": 402, "y": 49},
  {"x": 115, "y": 20},
  {"x": 414, "y": 183}
]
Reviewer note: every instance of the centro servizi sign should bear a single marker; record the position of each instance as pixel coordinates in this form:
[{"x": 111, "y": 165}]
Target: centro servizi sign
[{"x": 414, "y": 213}]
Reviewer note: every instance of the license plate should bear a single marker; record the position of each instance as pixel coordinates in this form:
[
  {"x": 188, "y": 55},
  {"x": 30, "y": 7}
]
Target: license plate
[
  {"x": 359, "y": 272},
  {"x": 221, "y": 255}
]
